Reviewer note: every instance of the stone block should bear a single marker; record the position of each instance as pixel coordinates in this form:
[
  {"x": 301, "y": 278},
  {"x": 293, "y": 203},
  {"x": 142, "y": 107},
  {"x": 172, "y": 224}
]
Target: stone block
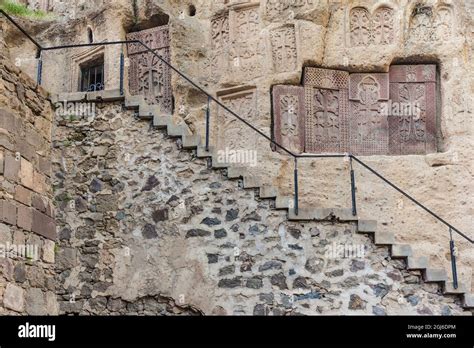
[
  {"x": 11, "y": 167},
  {"x": 35, "y": 302},
  {"x": 48, "y": 251},
  {"x": 2, "y": 161},
  {"x": 289, "y": 113},
  {"x": 44, "y": 165},
  {"x": 8, "y": 212},
  {"x": 24, "y": 217},
  {"x": 43, "y": 225},
  {"x": 23, "y": 195},
  {"x": 14, "y": 298},
  {"x": 26, "y": 173},
  {"x": 39, "y": 182}
]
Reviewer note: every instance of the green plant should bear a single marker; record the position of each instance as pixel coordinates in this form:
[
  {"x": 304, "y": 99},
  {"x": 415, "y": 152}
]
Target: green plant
[{"x": 15, "y": 9}]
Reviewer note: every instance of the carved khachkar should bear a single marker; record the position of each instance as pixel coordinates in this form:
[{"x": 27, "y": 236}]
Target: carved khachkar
[
  {"x": 148, "y": 75},
  {"x": 283, "y": 41},
  {"x": 232, "y": 133},
  {"x": 326, "y": 102},
  {"x": 431, "y": 23},
  {"x": 368, "y": 123},
  {"x": 412, "y": 124},
  {"x": 289, "y": 115},
  {"x": 375, "y": 28},
  {"x": 220, "y": 44},
  {"x": 247, "y": 48}
]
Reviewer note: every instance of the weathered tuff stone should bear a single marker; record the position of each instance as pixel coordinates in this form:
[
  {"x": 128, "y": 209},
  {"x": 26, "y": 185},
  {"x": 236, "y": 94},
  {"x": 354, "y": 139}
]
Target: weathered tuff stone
[
  {"x": 232, "y": 214},
  {"x": 227, "y": 270},
  {"x": 149, "y": 231},
  {"x": 196, "y": 232},
  {"x": 35, "y": 302},
  {"x": 151, "y": 183},
  {"x": 220, "y": 233},
  {"x": 160, "y": 215},
  {"x": 211, "y": 221},
  {"x": 273, "y": 264},
  {"x": 254, "y": 282},
  {"x": 230, "y": 283},
  {"x": 356, "y": 302},
  {"x": 279, "y": 280},
  {"x": 14, "y": 298}
]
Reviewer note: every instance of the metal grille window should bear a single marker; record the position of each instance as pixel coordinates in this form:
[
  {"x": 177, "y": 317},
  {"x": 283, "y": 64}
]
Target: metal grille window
[{"x": 92, "y": 78}]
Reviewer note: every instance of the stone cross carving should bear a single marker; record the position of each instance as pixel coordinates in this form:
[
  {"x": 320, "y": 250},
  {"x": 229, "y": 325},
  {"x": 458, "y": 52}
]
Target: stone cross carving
[
  {"x": 288, "y": 103},
  {"x": 363, "y": 113},
  {"x": 368, "y": 125},
  {"x": 413, "y": 129},
  {"x": 283, "y": 42},
  {"x": 371, "y": 29},
  {"x": 148, "y": 75}
]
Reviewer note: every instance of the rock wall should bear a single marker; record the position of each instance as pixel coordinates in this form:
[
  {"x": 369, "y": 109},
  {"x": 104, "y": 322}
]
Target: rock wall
[
  {"x": 150, "y": 220},
  {"x": 27, "y": 227}
]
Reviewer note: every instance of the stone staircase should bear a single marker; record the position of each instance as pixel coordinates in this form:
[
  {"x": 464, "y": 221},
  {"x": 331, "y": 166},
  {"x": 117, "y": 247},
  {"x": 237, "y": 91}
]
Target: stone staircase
[{"x": 368, "y": 227}]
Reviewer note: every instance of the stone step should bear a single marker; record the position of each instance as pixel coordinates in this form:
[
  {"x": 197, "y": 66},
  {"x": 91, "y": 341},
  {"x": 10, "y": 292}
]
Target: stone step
[
  {"x": 218, "y": 164},
  {"x": 435, "y": 275},
  {"x": 202, "y": 153},
  {"x": 148, "y": 111},
  {"x": 283, "y": 202},
  {"x": 401, "y": 250},
  {"x": 367, "y": 226},
  {"x": 161, "y": 121},
  {"x": 133, "y": 101},
  {"x": 420, "y": 262},
  {"x": 468, "y": 300},
  {"x": 304, "y": 214},
  {"x": 236, "y": 172},
  {"x": 268, "y": 191},
  {"x": 449, "y": 288},
  {"x": 191, "y": 141},
  {"x": 251, "y": 181},
  {"x": 175, "y": 131},
  {"x": 384, "y": 238}
]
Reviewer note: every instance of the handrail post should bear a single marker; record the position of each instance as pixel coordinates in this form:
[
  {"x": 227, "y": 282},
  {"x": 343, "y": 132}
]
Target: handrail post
[
  {"x": 39, "y": 72},
  {"x": 353, "y": 188},
  {"x": 453, "y": 259},
  {"x": 122, "y": 63},
  {"x": 208, "y": 116},
  {"x": 296, "y": 186}
]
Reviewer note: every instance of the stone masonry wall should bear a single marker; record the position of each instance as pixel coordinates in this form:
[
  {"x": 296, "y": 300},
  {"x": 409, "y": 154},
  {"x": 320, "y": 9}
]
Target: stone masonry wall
[
  {"x": 147, "y": 228},
  {"x": 27, "y": 228}
]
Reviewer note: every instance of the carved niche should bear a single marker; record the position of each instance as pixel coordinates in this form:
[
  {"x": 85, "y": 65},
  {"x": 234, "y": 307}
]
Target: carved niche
[
  {"x": 326, "y": 125},
  {"x": 248, "y": 48},
  {"x": 148, "y": 75},
  {"x": 413, "y": 128},
  {"x": 368, "y": 123},
  {"x": 289, "y": 111},
  {"x": 367, "y": 28},
  {"x": 284, "y": 54},
  {"x": 232, "y": 133},
  {"x": 428, "y": 23},
  {"x": 220, "y": 44}
]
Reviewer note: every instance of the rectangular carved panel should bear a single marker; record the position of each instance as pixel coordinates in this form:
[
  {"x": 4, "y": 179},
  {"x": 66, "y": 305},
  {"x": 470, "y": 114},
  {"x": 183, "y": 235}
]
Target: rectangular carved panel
[
  {"x": 289, "y": 115},
  {"x": 326, "y": 103},
  {"x": 368, "y": 124},
  {"x": 284, "y": 53},
  {"x": 232, "y": 133},
  {"x": 325, "y": 78},
  {"x": 412, "y": 122},
  {"x": 148, "y": 75},
  {"x": 220, "y": 44}
]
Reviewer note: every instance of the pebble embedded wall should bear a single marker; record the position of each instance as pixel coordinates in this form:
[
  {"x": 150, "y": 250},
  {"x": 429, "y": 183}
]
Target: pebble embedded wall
[
  {"x": 153, "y": 231},
  {"x": 27, "y": 227}
]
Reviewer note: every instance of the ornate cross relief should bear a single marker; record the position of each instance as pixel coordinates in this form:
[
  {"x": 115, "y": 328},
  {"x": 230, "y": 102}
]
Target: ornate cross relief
[
  {"x": 289, "y": 108},
  {"x": 369, "y": 127},
  {"x": 232, "y": 133},
  {"x": 431, "y": 23},
  {"x": 284, "y": 53},
  {"x": 413, "y": 130},
  {"x": 326, "y": 110},
  {"x": 365, "y": 114},
  {"x": 286, "y": 8},
  {"x": 148, "y": 75},
  {"x": 371, "y": 29}
]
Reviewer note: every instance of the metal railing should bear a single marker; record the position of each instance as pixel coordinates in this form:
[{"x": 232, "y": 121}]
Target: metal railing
[{"x": 211, "y": 98}]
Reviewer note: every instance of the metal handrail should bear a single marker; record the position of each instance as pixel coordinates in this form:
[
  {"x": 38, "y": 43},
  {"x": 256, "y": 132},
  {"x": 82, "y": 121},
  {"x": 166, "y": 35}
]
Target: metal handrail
[{"x": 210, "y": 97}]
